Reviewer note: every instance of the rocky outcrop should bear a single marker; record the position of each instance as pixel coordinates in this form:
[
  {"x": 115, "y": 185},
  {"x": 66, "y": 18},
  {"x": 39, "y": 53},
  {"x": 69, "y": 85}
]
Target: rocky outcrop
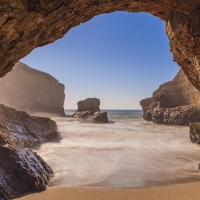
[
  {"x": 176, "y": 102},
  {"x": 21, "y": 170},
  {"x": 89, "y": 109},
  {"x": 27, "y": 130},
  {"x": 195, "y": 133},
  {"x": 26, "y": 25},
  {"x": 30, "y": 90}
]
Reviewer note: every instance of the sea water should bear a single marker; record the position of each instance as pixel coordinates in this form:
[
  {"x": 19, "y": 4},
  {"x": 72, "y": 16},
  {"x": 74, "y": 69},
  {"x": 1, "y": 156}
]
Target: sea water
[{"x": 126, "y": 152}]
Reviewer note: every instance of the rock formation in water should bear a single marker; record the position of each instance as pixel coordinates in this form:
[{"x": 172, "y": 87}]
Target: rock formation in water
[
  {"x": 30, "y": 90},
  {"x": 22, "y": 170},
  {"x": 89, "y": 109},
  {"x": 26, "y": 25},
  {"x": 176, "y": 102}
]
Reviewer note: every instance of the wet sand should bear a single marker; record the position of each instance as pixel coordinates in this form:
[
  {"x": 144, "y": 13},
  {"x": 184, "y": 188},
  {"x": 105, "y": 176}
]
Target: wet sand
[{"x": 174, "y": 192}]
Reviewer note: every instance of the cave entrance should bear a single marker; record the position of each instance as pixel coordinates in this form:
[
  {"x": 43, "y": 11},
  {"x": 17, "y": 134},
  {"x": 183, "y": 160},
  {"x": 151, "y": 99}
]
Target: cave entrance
[{"x": 119, "y": 58}]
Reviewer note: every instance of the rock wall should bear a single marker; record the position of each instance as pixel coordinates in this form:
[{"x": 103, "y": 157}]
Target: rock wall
[
  {"x": 26, "y": 25},
  {"x": 175, "y": 102},
  {"x": 30, "y": 90}
]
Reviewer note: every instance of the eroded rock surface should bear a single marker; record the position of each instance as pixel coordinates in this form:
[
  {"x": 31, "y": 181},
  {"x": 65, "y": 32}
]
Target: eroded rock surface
[
  {"x": 33, "y": 91},
  {"x": 195, "y": 133},
  {"x": 26, "y": 25},
  {"x": 21, "y": 170},
  {"x": 25, "y": 129},
  {"x": 176, "y": 102},
  {"x": 89, "y": 109}
]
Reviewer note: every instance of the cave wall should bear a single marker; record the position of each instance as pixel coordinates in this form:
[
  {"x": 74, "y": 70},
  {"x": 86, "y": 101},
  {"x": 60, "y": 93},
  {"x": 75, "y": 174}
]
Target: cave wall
[
  {"x": 26, "y": 25},
  {"x": 30, "y": 90}
]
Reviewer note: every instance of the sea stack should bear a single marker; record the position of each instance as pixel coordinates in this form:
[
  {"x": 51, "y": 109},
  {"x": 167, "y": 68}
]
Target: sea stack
[
  {"x": 175, "y": 102},
  {"x": 90, "y": 109}
]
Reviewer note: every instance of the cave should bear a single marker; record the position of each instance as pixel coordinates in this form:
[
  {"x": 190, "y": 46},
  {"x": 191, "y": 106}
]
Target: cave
[{"x": 26, "y": 25}]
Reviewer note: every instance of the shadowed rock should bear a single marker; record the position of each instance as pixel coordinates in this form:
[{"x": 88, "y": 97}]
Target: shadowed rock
[
  {"x": 25, "y": 129},
  {"x": 21, "y": 170}
]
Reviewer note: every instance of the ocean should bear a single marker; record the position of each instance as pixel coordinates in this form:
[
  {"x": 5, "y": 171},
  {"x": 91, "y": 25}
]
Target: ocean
[{"x": 126, "y": 152}]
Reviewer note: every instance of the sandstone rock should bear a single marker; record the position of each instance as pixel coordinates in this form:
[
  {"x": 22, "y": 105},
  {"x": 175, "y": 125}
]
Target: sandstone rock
[
  {"x": 195, "y": 132},
  {"x": 89, "y": 109},
  {"x": 21, "y": 170},
  {"x": 176, "y": 102},
  {"x": 24, "y": 129},
  {"x": 30, "y": 90},
  {"x": 26, "y": 25},
  {"x": 88, "y": 104},
  {"x": 182, "y": 116}
]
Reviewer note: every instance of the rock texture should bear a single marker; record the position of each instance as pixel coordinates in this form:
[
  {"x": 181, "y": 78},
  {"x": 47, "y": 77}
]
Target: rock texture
[
  {"x": 27, "y": 130},
  {"x": 176, "y": 102},
  {"x": 195, "y": 133},
  {"x": 21, "y": 170},
  {"x": 26, "y": 25},
  {"x": 89, "y": 109},
  {"x": 88, "y": 104},
  {"x": 30, "y": 90}
]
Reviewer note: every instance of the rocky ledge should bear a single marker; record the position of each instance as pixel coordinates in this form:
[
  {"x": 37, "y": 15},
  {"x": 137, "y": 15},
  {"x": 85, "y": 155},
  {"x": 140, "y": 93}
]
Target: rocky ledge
[
  {"x": 22, "y": 170},
  {"x": 25, "y": 129},
  {"x": 89, "y": 109},
  {"x": 175, "y": 102}
]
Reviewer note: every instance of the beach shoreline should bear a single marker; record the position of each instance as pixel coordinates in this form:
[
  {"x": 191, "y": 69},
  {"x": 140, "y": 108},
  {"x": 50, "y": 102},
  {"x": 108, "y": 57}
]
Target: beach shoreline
[{"x": 188, "y": 191}]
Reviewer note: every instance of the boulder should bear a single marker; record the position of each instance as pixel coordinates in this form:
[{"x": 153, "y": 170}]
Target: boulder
[
  {"x": 195, "y": 133},
  {"x": 21, "y": 170},
  {"x": 100, "y": 117}
]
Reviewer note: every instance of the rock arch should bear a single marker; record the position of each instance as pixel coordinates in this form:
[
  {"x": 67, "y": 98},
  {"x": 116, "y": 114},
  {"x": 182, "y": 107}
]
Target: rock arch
[{"x": 26, "y": 25}]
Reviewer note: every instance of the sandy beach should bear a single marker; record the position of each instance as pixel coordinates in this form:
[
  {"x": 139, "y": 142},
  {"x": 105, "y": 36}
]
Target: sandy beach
[{"x": 175, "y": 192}]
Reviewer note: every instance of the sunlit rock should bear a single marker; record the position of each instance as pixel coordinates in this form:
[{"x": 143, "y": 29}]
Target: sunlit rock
[
  {"x": 175, "y": 102},
  {"x": 33, "y": 91}
]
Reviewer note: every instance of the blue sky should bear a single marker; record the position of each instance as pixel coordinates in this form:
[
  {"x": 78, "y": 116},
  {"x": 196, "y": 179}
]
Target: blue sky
[{"x": 119, "y": 58}]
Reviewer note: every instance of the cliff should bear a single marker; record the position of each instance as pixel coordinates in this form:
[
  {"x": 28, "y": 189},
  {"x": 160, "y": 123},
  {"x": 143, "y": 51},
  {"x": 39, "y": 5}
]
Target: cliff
[
  {"x": 30, "y": 90},
  {"x": 175, "y": 102}
]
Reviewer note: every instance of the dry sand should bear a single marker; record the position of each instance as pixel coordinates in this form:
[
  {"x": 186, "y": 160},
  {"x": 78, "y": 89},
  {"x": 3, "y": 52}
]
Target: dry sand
[{"x": 189, "y": 191}]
